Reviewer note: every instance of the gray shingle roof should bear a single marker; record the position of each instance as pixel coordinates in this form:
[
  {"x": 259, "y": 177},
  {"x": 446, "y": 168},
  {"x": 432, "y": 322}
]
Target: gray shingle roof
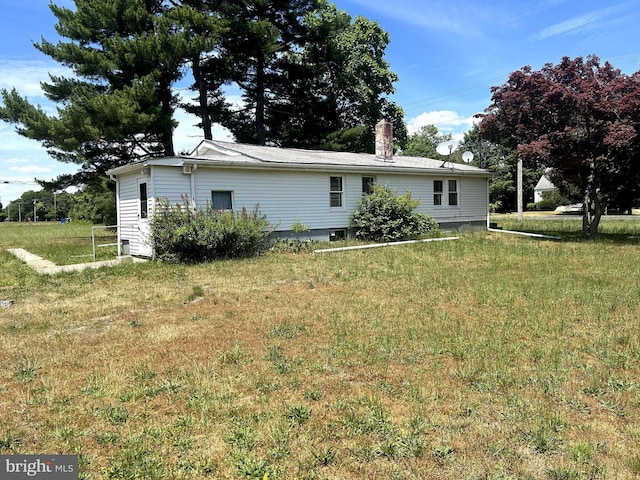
[{"x": 216, "y": 153}]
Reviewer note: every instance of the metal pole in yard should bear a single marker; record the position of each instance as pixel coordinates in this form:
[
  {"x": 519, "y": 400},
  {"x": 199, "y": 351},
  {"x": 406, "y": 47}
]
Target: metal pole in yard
[{"x": 519, "y": 188}]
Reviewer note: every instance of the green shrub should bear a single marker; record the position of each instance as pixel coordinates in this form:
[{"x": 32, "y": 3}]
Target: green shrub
[
  {"x": 181, "y": 234},
  {"x": 384, "y": 216},
  {"x": 551, "y": 199}
]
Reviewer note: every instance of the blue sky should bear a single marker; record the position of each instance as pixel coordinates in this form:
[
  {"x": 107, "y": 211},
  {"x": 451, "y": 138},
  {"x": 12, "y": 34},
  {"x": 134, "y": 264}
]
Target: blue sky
[{"x": 447, "y": 54}]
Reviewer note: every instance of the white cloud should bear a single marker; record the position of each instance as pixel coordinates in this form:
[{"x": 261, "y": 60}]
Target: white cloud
[
  {"x": 446, "y": 121},
  {"x": 415, "y": 13},
  {"x": 30, "y": 169},
  {"x": 26, "y": 75},
  {"x": 581, "y": 23}
]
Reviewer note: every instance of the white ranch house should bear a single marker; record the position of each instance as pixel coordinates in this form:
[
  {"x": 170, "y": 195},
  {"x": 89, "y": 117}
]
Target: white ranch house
[{"x": 319, "y": 189}]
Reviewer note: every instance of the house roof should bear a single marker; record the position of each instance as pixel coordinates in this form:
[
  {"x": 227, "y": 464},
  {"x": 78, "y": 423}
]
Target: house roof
[
  {"x": 227, "y": 154},
  {"x": 544, "y": 184}
]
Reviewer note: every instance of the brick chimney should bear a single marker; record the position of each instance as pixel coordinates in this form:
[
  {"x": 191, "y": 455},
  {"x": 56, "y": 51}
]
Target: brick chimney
[{"x": 384, "y": 140}]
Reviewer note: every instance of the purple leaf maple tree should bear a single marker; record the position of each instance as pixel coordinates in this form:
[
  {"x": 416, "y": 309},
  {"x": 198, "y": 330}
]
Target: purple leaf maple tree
[{"x": 581, "y": 119}]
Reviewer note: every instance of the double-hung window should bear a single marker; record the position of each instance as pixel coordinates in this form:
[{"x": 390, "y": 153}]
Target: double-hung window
[
  {"x": 336, "y": 191},
  {"x": 450, "y": 195},
  {"x": 453, "y": 192},
  {"x": 438, "y": 189}
]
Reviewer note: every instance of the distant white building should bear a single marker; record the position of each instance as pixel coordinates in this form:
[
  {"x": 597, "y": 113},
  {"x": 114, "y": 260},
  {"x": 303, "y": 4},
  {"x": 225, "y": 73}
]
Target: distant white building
[
  {"x": 543, "y": 185},
  {"x": 319, "y": 189}
]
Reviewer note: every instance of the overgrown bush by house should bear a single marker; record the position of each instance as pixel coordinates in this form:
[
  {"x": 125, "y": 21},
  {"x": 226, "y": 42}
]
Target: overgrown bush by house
[
  {"x": 385, "y": 216},
  {"x": 181, "y": 234}
]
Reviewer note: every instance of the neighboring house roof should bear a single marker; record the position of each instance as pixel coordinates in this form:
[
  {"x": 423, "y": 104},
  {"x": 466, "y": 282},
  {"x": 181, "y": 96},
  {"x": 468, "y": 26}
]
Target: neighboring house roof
[
  {"x": 227, "y": 154},
  {"x": 544, "y": 184}
]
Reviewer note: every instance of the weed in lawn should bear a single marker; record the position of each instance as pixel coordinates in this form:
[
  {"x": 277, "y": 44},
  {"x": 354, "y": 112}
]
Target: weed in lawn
[
  {"x": 116, "y": 414},
  {"x": 442, "y": 452},
  {"x": 286, "y": 330},
  {"x": 197, "y": 292},
  {"x": 94, "y": 386},
  {"x": 634, "y": 464},
  {"x": 10, "y": 440},
  {"x": 324, "y": 457},
  {"x": 243, "y": 437},
  {"x": 137, "y": 459},
  {"x": 280, "y": 361},
  {"x": 563, "y": 473},
  {"x": 312, "y": 394},
  {"x": 107, "y": 438},
  {"x": 27, "y": 370},
  {"x": 298, "y": 415},
  {"x": 234, "y": 356},
  {"x": 581, "y": 452},
  {"x": 249, "y": 467}
]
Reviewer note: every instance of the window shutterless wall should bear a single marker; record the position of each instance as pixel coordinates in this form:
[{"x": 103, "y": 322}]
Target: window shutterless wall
[{"x": 287, "y": 196}]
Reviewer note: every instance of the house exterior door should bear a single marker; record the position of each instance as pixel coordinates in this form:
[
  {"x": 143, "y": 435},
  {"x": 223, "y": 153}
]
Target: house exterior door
[{"x": 144, "y": 227}]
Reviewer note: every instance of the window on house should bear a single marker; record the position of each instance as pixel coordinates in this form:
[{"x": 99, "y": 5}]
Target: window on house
[
  {"x": 437, "y": 192},
  {"x": 367, "y": 185},
  {"x": 221, "y": 200},
  {"x": 453, "y": 192},
  {"x": 144, "y": 205},
  {"x": 337, "y": 234},
  {"x": 335, "y": 191}
]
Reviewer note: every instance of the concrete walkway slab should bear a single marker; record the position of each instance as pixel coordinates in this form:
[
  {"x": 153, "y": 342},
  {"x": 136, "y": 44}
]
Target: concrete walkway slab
[{"x": 47, "y": 267}]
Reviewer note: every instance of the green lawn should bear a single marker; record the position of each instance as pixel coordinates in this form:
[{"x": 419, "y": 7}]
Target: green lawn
[
  {"x": 495, "y": 356},
  {"x": 63, "y": 244}
]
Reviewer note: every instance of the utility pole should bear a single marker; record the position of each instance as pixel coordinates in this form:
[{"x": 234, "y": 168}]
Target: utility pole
[{"x": 519, "y": 181}]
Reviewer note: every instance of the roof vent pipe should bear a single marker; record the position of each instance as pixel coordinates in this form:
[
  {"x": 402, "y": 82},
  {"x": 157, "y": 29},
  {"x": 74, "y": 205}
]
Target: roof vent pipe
[{"x": 384, "y": 141}]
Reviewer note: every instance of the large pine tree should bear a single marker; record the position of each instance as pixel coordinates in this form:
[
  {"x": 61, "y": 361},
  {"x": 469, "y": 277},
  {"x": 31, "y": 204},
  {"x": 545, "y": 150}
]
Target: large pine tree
[
  {"x": 118, "y": 104},
  {"x": 310, "y": 76}
]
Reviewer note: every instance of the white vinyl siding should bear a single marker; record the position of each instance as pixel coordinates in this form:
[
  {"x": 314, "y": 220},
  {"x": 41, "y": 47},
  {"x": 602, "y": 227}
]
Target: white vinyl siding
[{"x": 287, "y": 197}]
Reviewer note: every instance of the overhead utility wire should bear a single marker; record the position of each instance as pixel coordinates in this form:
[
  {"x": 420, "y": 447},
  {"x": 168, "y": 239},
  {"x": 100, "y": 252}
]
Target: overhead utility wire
[{"x": 487, "y": 84}]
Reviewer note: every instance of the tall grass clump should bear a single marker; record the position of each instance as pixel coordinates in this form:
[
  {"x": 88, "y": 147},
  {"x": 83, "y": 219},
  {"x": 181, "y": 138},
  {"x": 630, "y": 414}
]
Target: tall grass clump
[
  {"x": 385, "y": 216},
  {"x": 180, "y": 234}
]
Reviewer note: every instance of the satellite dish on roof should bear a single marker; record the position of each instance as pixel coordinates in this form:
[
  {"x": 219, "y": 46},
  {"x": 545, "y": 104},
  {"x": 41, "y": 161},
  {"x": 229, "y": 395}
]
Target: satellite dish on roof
[
  {"x": 467, "y": 157},
  {"x": 446, "y": 148}
]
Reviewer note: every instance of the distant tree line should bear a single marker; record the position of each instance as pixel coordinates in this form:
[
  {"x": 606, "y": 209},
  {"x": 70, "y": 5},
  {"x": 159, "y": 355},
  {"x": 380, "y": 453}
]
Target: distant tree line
[{"x": 95, "y": 205}]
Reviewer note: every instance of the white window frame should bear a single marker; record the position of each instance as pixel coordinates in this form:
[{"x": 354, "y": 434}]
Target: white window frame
[
  {"x": 230, "y": 193},
  {"x": 438, "y": 194},
  {"x": 143, "y": 203},
  {"x": 335, "y": 193},
  {"x": 447, "y": 192},
  {"x": 454, "y": 192}
]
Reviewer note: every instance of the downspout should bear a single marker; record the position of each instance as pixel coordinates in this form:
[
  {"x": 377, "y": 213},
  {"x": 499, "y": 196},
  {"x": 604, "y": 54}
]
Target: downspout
[
  {"x": 192, "y": 180},
  {"x": 488, "y": 206}
]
